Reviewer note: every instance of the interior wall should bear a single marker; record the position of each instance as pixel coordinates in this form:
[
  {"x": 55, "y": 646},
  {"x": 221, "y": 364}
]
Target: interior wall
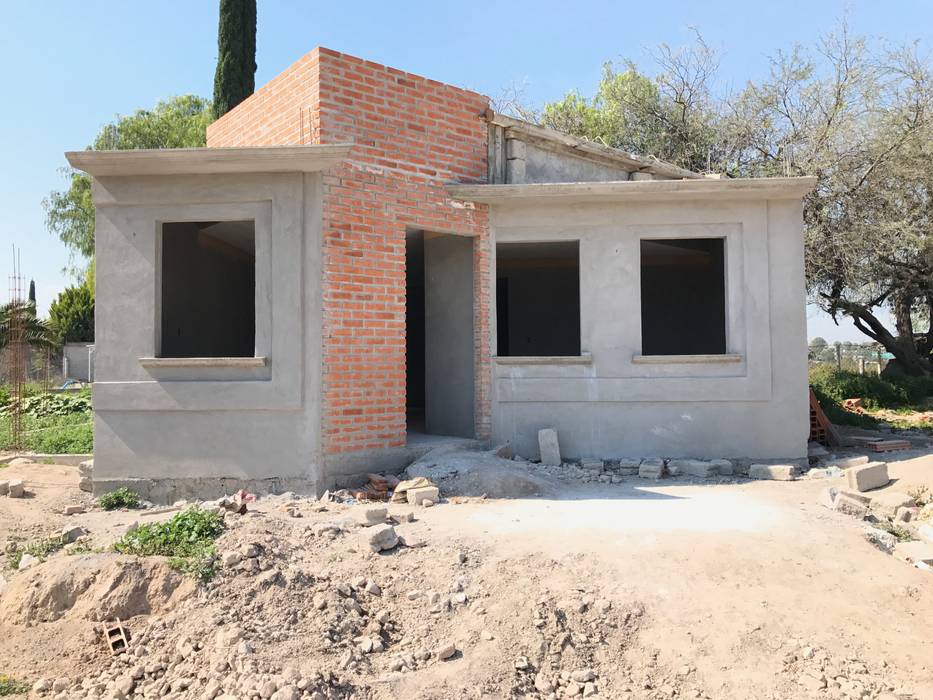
[
  {"x": 449, "y": 341},
  {"x": 208, "y": 284},
  {"x": 683, "y": 297},
  {"x": 414, "y": 330}
]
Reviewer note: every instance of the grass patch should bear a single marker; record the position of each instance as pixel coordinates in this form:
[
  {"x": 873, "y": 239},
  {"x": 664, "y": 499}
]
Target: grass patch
[
  {"x": 120, "y": 498},
  {"x": 40, "y": 549},
  {"x": 902, "y": 534},
  {"x": 66, "y": 434},
  {"x": 187, "y": 539},
  {"x": 876, "y": 392},
  {"x": 11, "y": 686}
]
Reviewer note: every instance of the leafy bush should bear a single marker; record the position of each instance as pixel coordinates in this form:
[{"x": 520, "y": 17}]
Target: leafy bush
[
  {"x": 874, "y": 391},
  {"x": 187, "y": 538},
  {"x": 11, "y": 686},
  {"x": 72, "y": 434},
  {"x": 57, "y": 404},
  {"x": 120, "y": 498}
]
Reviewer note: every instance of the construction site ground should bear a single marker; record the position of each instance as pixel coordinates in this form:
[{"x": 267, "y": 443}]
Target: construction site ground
[{"x": 644, "y": 589}]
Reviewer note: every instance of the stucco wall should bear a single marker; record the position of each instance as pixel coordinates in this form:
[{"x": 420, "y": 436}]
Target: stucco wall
[
  {"x": 754, "y": 406},
  {"x": 207, "y": 429}
]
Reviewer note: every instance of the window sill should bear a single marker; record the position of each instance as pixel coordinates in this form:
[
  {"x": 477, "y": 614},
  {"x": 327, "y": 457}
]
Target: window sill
[
  {"x": 685, "y": 359},
  {"x": 584, "y": 359},
  {"x": 222, "y": 362}
]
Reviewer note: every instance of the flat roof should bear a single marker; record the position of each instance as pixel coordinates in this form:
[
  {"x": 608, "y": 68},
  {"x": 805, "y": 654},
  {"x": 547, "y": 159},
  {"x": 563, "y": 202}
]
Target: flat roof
[
  {"x": 205, "y": 161},
  {"x": 707, "y": 188}
]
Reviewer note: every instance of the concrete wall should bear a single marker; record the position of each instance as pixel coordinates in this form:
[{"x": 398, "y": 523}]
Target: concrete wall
[
  {"x": 448, "y": 303},
  {"x": 196, "y": 429},
  {"x": 753, "y": 404}
]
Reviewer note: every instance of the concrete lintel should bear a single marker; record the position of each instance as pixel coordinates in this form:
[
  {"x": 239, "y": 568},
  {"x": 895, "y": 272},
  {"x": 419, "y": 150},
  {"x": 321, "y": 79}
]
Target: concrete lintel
[
  {"x": 207, "y": 161},
  {"x": 175, "y": 362},
  {"x": 770, "y": 188}
]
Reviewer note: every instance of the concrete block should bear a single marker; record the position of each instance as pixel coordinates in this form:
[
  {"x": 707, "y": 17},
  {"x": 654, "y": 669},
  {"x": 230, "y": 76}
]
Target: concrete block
[
  {"x": 86, "y": 476},
  {"x": 869, "y": 476},
  {"x": 651, "y": 469},
  {"x": 380, "y": 537},
  {"x": 886, "y": 503},
  {"x": 549, "y": 447},
  {"x": 374, "y": 516},
  {"x": 4, "y": 488},
  {"x": 882, "y": 539},
  {"x": 904, "y": 514},
  {"x": 692, "y": 467},
  {"x": 773, "y": 472},
  {"x": 848, "y": 462},
  {"x": 592, "y": 463},
  {"x": 16, "y": 488},
  {"x": 847, "y": 505},
  {"x": 914, "y": 552},
  {"x": 416, "y": 497},
  {"x": 925, "y": 533}
]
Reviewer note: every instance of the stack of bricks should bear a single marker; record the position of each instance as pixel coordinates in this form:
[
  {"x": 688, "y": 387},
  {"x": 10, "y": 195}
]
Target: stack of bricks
[{"x": 411, "y": 136}]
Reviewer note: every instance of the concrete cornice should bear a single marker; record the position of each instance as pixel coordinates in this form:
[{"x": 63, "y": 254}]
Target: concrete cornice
[
  {"x": 206, "y": 161},
  {"x": 746, "y": 188},
  {"x": 592, "y": 149}
]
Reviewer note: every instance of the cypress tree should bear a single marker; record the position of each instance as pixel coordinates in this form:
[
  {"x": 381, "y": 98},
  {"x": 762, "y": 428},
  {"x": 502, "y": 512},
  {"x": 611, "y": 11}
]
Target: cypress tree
[
  {"x": 234, "y": 79},
  {"x": 32, "y": 292}
]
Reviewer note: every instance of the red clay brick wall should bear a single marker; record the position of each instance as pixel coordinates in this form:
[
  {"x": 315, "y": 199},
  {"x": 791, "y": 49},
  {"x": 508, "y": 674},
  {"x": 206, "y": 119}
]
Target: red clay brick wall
[{"x": 412, "y": 135}]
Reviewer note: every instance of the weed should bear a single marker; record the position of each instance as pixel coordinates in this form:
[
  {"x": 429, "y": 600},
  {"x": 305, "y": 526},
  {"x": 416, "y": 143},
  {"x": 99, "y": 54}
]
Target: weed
[
  {"x": 921, "y": 494},
  {"x": 187, "y": 539},
  {"x": 902, "y": 534},
  {"x": 11, "y": 686},
  {"x": 40, "y": 549},
  {"x": 120, "y": 498}
]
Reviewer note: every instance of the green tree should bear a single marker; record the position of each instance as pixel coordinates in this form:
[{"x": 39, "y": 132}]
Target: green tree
[
  {"x": 71, "y": 315},
  {"x": 234, "y": 79},
  {"x": 179, "y": 122}
]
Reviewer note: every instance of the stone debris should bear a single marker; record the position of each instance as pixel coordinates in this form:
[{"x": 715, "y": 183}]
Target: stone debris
[
  {"x": 881, "y": 539},
  {"x": 86, "y": 476},
  {"x": 374, "y": 516},
  {"x": 380, "y": 537},
  {"x": 651, "y": 469},
  {"x": 26, "y": 560},
  {"x": 16, "y": 488},
  {"x": 914, "y": 552},
  {"x": 549, "y": 447},
  {"x": 692, "y": 467},
  {"x": 71, "y": 533},
  {"x": 75, "y": 509},
  {"x": 848, "y": 462},
  {"x": 851, "y": 503},
  {"x": 869, "y": 476},
  {"x": 773, "y": 472},
  {"x": 885, "y": 504},
  {"x": 400, "y": 495},
  {"x": 425, "y": 495}
]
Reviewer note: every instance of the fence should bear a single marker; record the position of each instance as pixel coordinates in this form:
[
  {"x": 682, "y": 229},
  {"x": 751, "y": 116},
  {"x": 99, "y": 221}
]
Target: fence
[{"x": 867, "y": 358}]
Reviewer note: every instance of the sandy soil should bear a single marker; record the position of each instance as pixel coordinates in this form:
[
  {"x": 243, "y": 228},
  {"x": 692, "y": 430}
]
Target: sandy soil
[{"x": 666, "y": 589}]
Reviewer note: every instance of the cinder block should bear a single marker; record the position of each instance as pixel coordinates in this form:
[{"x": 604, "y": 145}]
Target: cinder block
[
  {"x": 425, "y": 493},
  {"x": 869, "y": 476},
  {"x": 773, "y": 472},
  {"x": 847, "y": 505},
  {"x": 723, "y": 467},
  {"x": 848, "y": 462},
  {"x": 692, "y": 467},
  {"x": 651, "y": 469}
]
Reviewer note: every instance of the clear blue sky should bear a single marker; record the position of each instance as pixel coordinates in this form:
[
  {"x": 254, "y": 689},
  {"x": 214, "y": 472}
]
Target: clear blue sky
[{"x": 70, "y": 67}]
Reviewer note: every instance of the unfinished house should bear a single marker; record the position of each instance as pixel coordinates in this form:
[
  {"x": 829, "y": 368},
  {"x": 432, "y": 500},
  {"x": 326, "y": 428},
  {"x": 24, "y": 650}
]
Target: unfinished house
[{"x": 365, "y": 263}]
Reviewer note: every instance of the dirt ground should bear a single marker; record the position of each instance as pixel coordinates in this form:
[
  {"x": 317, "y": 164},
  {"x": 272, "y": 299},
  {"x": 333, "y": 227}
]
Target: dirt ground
[{"x": 643, "y": 589}]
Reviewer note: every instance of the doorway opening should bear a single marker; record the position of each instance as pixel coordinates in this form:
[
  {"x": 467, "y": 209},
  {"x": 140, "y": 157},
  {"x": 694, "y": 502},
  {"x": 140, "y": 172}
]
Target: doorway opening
[{"x": 439, "y": 334}]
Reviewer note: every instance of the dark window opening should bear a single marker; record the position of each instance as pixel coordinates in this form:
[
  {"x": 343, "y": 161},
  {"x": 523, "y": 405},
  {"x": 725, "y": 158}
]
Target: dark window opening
[
  {"x": 208, "y": 285},
  {"x": 683, "y": 297},
  {"x": 538, "y": 299}
]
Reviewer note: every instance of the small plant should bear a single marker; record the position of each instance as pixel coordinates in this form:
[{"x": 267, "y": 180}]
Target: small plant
[
  {"x": 921, "y": 494},
  {"x": 187, "y": 539},
  {"x": 40, "y": 549},
  {"x": 120, "y": 498},
  {"x": 11, "y": 686},
  {"x": 902, "y": 534}
]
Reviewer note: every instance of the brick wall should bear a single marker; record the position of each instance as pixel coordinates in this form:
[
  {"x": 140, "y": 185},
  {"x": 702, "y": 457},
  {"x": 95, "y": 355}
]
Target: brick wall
[{"x": 412, "y": 135}]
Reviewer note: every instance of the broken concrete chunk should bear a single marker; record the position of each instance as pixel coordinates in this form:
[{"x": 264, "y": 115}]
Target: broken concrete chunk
[
  {"x": 886, "y": 503},
  {"x": 16, "y": 488},
  {"x": 723, "y": 467},
  {"x": 651, "y": 469},
  {"x": 848, "y": 462},
  {"x": 75, "y": 509},
  {"x": 549, "y": 447},
  {"x": 904, "y": 514},
  {"x": 827, "y": 497},
  {"x": 86, "y": 476},
  {"x": 773, "y": 472},
  {"x": 848, "y": 505},
  {"x": 4, "y": 488},
  {"x": 592, "y": 463},
  {"x": 420, "y": 496},
  {"x": 27, "y": 560},
  {"x": 869, "y": 476},
  {"x": 914, "y": 552},
  {"x": 380, "y": 537},
  {"x": 374, "y": 516},
  {"x": 72, "y": 532},
  {"x": 882, "y": 539}
]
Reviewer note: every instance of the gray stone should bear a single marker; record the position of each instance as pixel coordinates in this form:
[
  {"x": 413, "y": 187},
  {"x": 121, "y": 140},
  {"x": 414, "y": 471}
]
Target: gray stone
[
  {"x": 4, "y": 488},
  {"x": 773, "y": 472},
  {"x": 72, "y": 532},
  {"x": 27, "y": 560},
  {"x": 375, "y": 516},
  {"x": 869, "y": 476},
  {"x": 16, "y": 488},
  {"x": 651, "y": 469},
  {"x": 723, "y": 467},
  {"x": 549, "y": 447},
  {"x": 445, "y": 651},
  {"x": 885, "y": 504},
  {"x": 380, "y": 537},
  {"x": 289, "y": 692}
]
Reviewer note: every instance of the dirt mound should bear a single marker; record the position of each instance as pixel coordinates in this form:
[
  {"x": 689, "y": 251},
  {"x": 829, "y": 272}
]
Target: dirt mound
[
  {"x": 471, "y": 473},
  {"x": 95, "y": 587}
]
